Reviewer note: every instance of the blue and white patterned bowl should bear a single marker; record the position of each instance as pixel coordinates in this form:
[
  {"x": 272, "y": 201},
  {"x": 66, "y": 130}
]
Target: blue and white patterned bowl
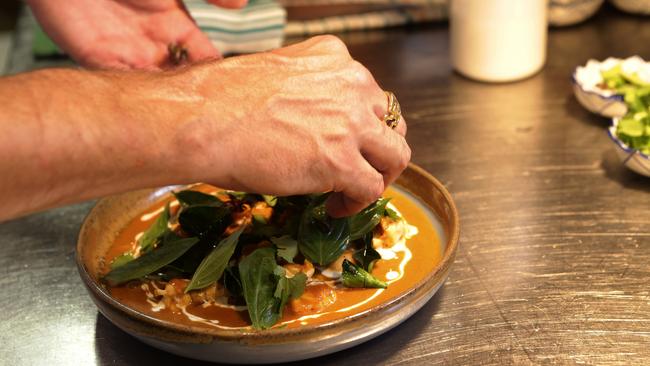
[
  {"x": 605, "y": 105},
  {"x": 631, "y": 158}
]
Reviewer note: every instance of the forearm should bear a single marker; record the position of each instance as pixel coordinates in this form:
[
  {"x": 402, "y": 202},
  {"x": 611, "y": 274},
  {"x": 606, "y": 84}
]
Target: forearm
[{"x": 68, "y": 135}]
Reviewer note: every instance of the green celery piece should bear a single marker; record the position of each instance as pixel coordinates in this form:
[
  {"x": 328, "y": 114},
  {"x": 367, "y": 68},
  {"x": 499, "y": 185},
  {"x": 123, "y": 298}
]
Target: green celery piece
[
  {"x": 213, "y": 265},
  {"x": 612, "y": 73},
  {"x": 155, "y": 231},
  {"x": 171, "y": 248},
  {"x": 630, "y": 127},
  {"x": 357, "y": 277}
]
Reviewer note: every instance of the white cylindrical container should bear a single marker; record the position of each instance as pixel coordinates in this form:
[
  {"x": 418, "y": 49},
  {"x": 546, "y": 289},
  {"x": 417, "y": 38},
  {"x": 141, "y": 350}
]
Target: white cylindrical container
[{"x": 498, "y": 40}]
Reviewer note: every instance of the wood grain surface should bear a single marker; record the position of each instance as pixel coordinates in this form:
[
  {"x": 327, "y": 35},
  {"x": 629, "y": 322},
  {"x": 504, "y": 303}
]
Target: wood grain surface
[{"x": 554, "y": 263}]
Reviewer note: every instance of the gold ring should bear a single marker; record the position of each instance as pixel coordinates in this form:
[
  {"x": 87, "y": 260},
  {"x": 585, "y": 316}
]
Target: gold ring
[{"x": 394, "y": 114}]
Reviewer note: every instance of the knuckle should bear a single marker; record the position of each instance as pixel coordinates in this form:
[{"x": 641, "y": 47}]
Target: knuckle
[
  {"x": 333, "y": 43},
  {"x": 360, "y": 73},
  {"x": 405, "y": 157}
]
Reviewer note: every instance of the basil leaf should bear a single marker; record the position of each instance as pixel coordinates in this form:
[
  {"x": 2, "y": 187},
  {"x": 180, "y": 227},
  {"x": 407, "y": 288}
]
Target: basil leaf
[
  {"x": 155, "y": 231},
  {"x": 287, "y": 247},
  {"x": 391, "y": 213},
  {"x": 212, "y": 266},
  {"x": 204, "y": 220},
  {"x": 193, "y": 198},
  {"x": 121, "y": 260},
  {"x": 259, "y": 283},
  {"x": 170, "y": 249},
  {"x": 232, "y": 282},
  {"x": 366, "y": 256},
  {"x": 322, "y": 239},
  {"x": 367, "y": 219},
  {"x": 355, "y": 276}
]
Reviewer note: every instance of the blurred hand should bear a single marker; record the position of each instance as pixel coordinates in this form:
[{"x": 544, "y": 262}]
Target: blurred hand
[
  {"x": 302, "y": 119},
  {"x": 124, "y": 34}
]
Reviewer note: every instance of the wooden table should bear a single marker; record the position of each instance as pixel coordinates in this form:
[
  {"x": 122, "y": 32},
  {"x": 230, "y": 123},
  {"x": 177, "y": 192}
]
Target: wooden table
[{"x": 554, "y": 265}]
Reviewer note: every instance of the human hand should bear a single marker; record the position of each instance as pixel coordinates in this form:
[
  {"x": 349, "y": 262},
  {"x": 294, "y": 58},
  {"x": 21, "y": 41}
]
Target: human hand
[
  {"x": 125, "y": 34},
  {"x": 301, "y": 119}
]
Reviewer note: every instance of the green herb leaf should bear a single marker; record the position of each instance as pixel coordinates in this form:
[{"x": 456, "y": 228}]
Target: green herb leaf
[
  {"x": 232, "y": 282},
  {"x": 391, "y": 213},
  {"x": 192, "y": 198},
  {"x": 287, "y": 247},
  {"x": 170, "y": 249},
  {"x": 121, "y": 260},
  {"x": 259, "y": 282},
  {"x": 270, "y": 200},
  {"x": 355, "y": 276},
  {"x": 366, "y": 256},
  {"x": 212, "y": 266},
  {"x": 155, "y": 231},
  {"x": 322, "y": 239},
  {"x": 204, "y": 220},
  {"x": 288, "y": 288},
  {"x": 367, "y": 219}
]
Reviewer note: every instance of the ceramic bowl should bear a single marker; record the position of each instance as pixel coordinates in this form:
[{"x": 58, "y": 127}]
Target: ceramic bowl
[
  {"x": 605, "y": 105},
  {"x": 110, "y": 215},
  {"x": 569, "y": 12},
  {"x": 631, "y": 158},
  {"x": 633, "y": 6}
]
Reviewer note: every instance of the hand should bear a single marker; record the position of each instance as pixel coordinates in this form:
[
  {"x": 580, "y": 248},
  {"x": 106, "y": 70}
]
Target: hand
[
  {"x": 301, "y": 119},
  {"x": 124, "y": 34}
]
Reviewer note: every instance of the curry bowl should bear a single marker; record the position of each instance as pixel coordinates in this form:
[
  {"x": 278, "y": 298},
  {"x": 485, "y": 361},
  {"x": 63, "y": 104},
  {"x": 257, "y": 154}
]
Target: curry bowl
[{"x": 278, "y": 344}]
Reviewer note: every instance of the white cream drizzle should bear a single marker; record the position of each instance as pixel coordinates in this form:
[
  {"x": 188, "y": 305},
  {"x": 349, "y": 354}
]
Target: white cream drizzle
[{"x": 150, "y": 215}]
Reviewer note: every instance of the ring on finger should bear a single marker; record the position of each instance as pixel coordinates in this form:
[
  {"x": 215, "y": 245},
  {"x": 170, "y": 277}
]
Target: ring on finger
[{"x": 394, "y": 113}]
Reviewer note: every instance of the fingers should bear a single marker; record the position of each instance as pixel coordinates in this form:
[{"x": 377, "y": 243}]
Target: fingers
[
  {"x": 362, "y": 185},
  {"x": 200, "y": 48},
  {"x": 387, "y": 152},
  {"x": 230, "y": 4}
]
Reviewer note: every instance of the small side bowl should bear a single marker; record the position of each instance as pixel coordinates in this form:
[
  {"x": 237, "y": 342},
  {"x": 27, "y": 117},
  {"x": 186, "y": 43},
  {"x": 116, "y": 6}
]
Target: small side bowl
[
  {"x": 609, "y": 106},
  {"x": 246, "y": 346},
  {"x": 633, "y": 159},
  {"x": 633, "y": 6}
]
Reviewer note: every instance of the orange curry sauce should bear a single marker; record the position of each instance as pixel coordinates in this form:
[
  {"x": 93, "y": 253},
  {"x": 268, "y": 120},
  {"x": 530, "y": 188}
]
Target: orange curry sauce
[{"x": 424, "y": 246}]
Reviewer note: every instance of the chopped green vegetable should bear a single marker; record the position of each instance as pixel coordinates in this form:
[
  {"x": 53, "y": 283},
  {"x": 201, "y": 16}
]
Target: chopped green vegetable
[
  {"x": 212, "y": 266},
  {"x": 634, "y": 128},
  {"x": 355, "y": 276},
  {"x": 170, "y": 249}
]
